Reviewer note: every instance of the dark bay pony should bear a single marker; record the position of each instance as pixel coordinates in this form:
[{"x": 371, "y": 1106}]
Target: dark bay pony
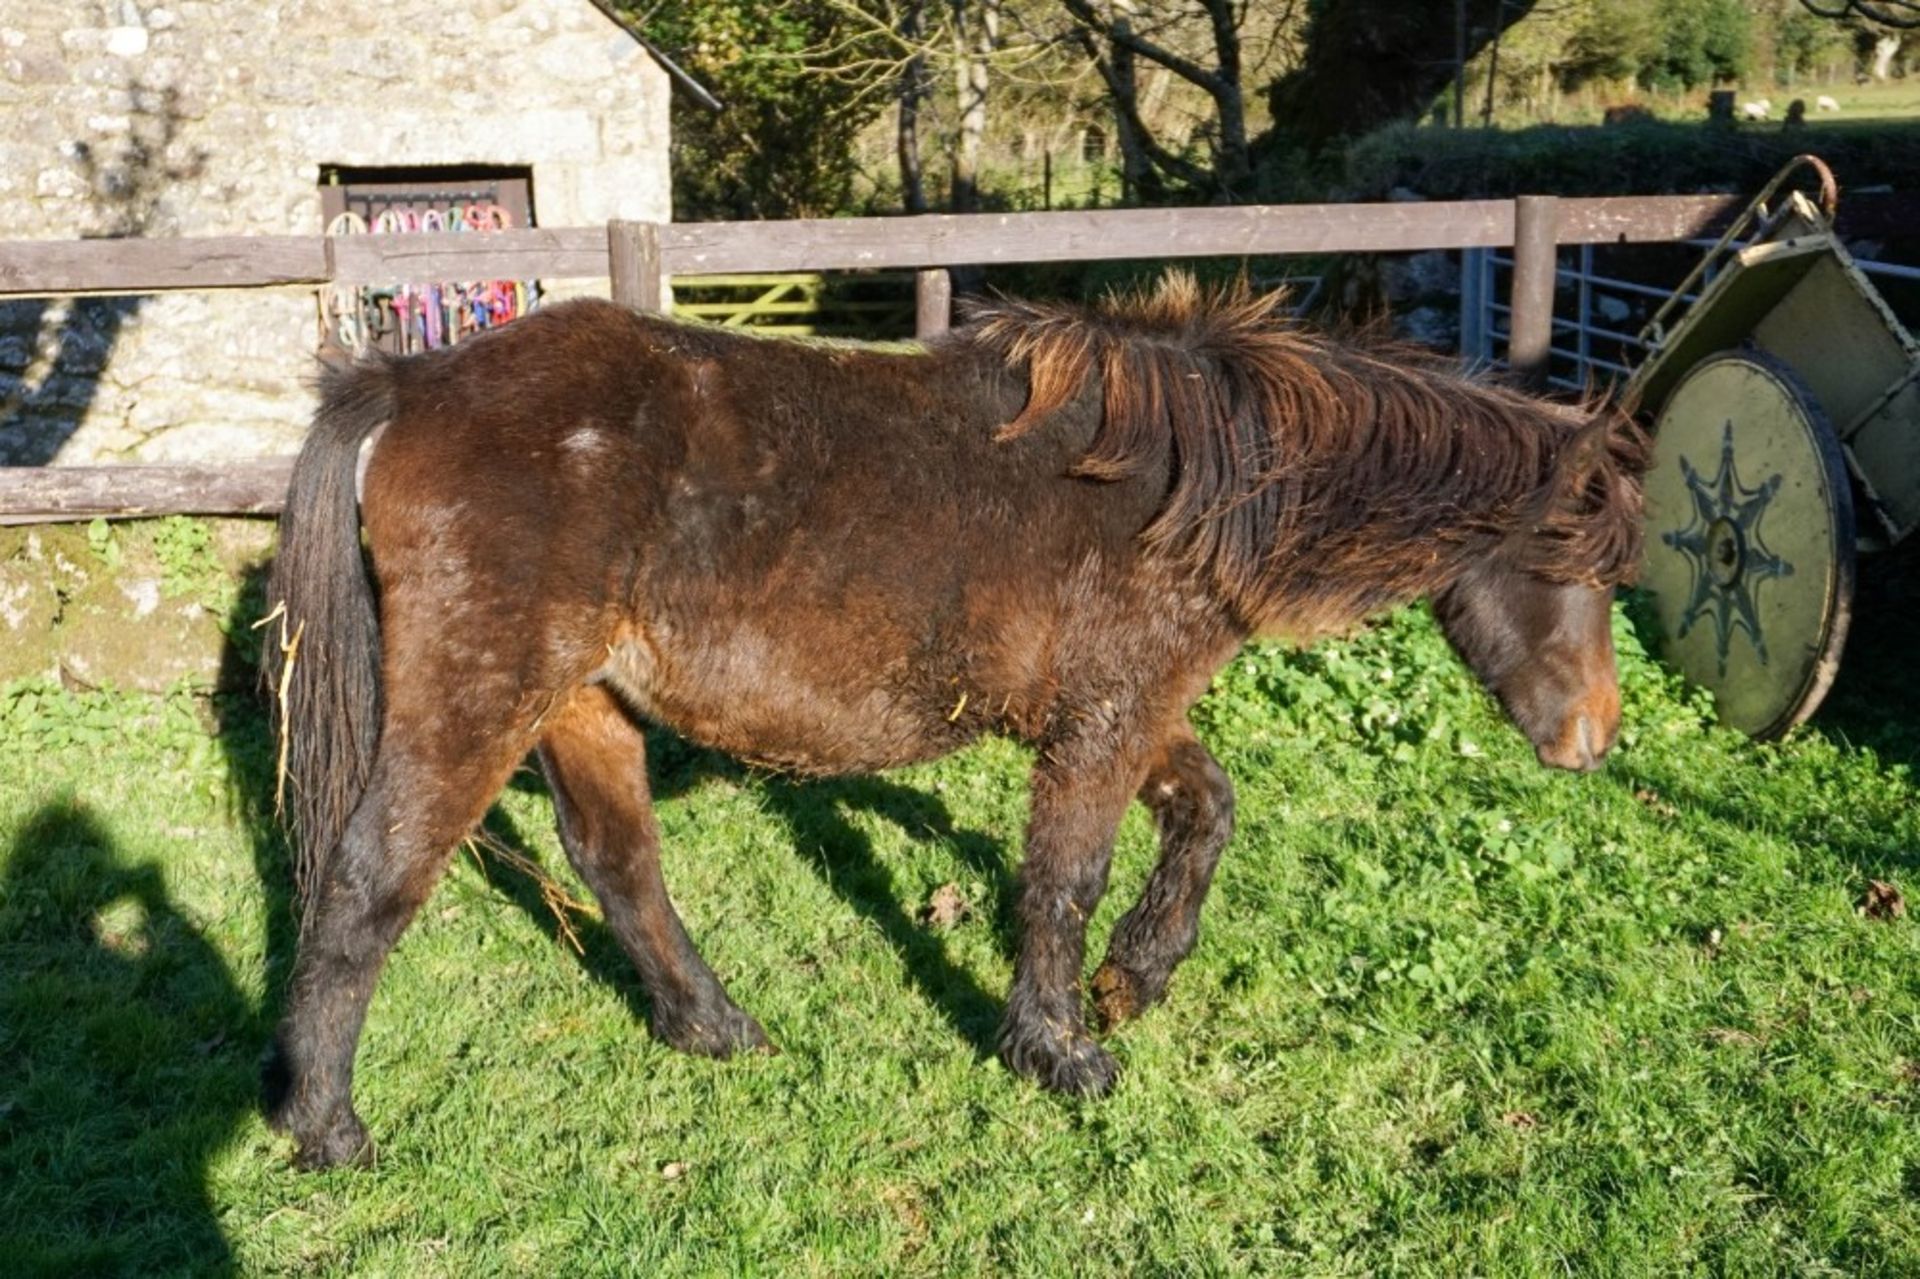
[{"x": 1053, "y": 523}]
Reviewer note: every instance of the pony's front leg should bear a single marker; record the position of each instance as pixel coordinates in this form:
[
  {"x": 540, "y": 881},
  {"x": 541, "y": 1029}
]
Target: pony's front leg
[
  {"x": 1079, "y": 797},
  {"x": 1191, "y": 799}
]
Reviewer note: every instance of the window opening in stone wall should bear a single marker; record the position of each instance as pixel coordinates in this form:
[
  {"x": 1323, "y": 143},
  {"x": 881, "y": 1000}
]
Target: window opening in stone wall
[{"x": 456, "y": 199}]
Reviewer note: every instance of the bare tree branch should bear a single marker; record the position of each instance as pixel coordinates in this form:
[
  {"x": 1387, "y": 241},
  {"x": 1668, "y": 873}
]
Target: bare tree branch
[
  {"x": 1902, "y": 15},
  {"x": 1120, "y": 31},
  {"x": 914, "y": 89},
  {"x": 1113, "y": 25},
  {"x": 1134, "y": 133}
]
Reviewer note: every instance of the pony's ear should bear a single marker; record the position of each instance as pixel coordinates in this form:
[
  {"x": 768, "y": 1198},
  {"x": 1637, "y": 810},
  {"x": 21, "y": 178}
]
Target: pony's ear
[
  {"x": 1610, "y": 445},
  {"x": 1586, "y": 521}
]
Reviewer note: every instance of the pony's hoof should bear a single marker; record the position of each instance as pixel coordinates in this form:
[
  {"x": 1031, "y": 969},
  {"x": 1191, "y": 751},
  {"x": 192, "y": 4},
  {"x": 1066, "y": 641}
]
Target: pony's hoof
[
  {"x": 342, "y": 1145},
  {"x": 334, "y": 1141},
  {"x": 318, "y": 1144},
  {"x": 720, "y": 1034},
  {"x": 1069, "y": 1063},
  {"x": 1120, "y": 994}
]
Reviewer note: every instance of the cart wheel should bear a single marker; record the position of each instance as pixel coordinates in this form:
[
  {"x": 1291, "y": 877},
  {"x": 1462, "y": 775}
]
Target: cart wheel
[{"x": 1750, "y": 540}]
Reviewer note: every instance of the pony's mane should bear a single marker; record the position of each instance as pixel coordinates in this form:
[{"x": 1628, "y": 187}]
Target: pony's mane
[{"x": 1324, "y": 477}]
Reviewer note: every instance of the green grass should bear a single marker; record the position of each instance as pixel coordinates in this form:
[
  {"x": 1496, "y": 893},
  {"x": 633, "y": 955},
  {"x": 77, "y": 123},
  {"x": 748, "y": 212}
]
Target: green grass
[
  {"x": 1895, "y": 99},
  {"x": 1883, "y": 100},
  {"x": 1450, "y": 1014}
]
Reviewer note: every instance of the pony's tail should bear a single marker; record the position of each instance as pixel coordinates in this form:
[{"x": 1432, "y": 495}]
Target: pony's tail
[{"x": 321, "y": 656}]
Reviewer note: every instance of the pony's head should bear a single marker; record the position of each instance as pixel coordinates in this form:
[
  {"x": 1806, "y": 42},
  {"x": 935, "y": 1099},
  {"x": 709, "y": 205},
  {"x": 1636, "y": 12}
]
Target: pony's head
[
  {"x": 1534, "y": 620},
  {"x": 1545, "y": 650},
  {"x": 1318, "y": 481}
]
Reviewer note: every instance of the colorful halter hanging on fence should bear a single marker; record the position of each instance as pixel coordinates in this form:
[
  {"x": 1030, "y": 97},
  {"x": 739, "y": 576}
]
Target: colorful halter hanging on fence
[{"x": 421, "y": 317}]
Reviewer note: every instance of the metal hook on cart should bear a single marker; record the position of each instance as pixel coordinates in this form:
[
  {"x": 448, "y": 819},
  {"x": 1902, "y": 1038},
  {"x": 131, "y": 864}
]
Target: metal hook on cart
[{"x": 1758, "y": 209}]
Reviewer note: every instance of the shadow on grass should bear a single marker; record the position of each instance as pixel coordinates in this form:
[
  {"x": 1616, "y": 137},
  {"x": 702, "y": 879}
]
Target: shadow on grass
[
  {"x": 129, "y": 1056},
  {"x": 127, "y": 1061},
  {"x": 1875, "y": 702},
  {"x": 846, "y": 862},
  {"x": 1874, "y": 705},
  {"x": 831, "y": 846},
  {"x": 247, "y": 748}
]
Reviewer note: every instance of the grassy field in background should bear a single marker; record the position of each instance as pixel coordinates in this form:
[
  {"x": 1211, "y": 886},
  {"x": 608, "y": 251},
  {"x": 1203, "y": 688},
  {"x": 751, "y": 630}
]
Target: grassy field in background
[
  {"x": 1896, "y": 99},
  {"x": 1450, "y": 1014},
  {"x": 1882, "y": 100}
]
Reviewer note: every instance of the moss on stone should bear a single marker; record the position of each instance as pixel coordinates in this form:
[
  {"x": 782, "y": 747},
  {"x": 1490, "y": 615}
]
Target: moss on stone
[{"x": 121, "y": 606}]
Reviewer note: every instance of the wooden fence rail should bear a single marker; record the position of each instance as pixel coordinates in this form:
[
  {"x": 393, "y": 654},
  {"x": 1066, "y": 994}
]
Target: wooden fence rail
[
  {"x": 48, "y": 268},
  {"x": 639, "y": 258},
  {"x": 50, "y": 494}
]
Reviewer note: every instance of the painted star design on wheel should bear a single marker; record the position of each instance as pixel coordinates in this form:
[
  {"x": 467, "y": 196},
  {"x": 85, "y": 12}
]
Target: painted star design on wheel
[{"x": 1724, "y": 534}]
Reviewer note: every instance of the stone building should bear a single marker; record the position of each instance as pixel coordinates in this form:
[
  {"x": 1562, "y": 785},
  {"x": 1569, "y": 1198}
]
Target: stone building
[{"x": 234, "y": 117}]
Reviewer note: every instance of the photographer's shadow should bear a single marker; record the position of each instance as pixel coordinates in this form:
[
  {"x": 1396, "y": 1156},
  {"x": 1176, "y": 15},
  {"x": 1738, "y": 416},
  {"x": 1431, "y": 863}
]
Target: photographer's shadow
[{"x": 126, "y": 1061}]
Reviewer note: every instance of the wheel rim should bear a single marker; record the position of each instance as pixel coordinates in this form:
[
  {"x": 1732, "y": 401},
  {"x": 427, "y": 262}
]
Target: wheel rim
[{"x": 1750, "y": 540}]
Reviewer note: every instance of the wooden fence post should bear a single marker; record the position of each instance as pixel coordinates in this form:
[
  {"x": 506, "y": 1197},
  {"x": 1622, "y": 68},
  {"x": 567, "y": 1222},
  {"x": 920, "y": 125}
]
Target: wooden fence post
[
  {"x": 1534, "y": 270},
  {"x": 633, "y": 259},
  {"x": 932, "y": 302}
]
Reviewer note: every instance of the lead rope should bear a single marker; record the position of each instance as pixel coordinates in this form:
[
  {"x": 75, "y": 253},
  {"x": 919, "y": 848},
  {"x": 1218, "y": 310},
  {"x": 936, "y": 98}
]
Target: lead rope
[{"x": 421, "y": 317}]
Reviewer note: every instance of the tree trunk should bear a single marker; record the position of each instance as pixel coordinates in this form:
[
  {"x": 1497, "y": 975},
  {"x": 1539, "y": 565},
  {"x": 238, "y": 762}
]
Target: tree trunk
[
  {"x": 1232, "y": 165},
  {"x": 1139, "y": 181},
  {"x": 1459, "y": 64},
  {"x": 973, "y": 44},
  {"x": 1884, "y": 50},
  {"x": 913, "y": 92},
  {"x": 1493, "y": 65},
  {"x": 1113, "y": 47}
]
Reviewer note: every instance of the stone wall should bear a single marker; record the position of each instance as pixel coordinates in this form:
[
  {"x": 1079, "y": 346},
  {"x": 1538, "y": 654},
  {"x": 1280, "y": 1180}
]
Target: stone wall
[
  {"x": 215, "y": 117},
  {"x": 137, "y": 604}
]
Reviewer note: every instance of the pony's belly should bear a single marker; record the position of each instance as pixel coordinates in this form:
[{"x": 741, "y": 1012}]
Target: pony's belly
[{"x": 767, "y": 706}]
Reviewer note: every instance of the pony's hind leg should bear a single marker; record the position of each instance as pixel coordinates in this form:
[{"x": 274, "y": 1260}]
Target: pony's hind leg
[
  {"x": 397, "y": 844},
  {"x": 442, "y": 757},
  {"x": 1191, "y": 800},
  {"x": 596, "y": 763}
]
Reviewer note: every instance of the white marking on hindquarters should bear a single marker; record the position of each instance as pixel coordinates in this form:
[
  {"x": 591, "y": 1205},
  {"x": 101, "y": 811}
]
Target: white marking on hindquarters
[{"x": 583, "y": 442}]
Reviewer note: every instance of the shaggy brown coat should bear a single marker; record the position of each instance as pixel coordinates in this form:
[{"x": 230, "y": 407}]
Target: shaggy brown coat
[{"x": 1055, "y": 524}]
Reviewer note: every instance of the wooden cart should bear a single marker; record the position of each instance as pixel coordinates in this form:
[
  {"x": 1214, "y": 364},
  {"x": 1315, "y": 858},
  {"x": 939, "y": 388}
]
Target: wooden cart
[{"x": 1785, "y": 401}]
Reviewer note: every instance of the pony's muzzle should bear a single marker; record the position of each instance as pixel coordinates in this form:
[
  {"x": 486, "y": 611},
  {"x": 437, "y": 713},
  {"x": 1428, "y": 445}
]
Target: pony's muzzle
[{"x": 1583, "y": 743}]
